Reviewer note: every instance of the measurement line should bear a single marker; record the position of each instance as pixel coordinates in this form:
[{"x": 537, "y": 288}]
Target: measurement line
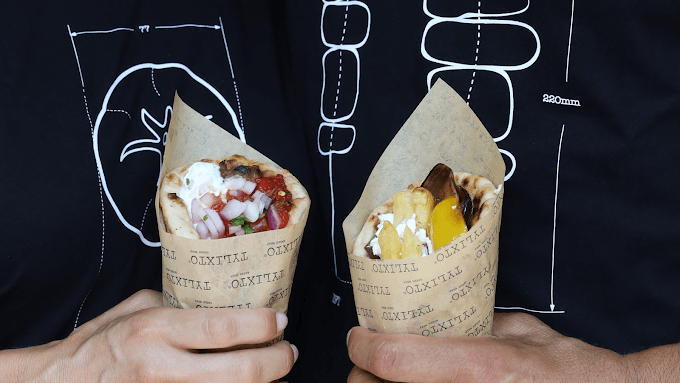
[
  {"x": 529, "y": 310},
  {"x": 571, "y": 27},
  {"x": 74, "y": 34},
  {"x": 187, "y": 26},
  {"x": 557, "y": 183}
]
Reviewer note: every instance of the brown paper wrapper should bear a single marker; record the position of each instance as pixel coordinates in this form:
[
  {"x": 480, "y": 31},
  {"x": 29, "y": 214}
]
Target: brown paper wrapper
[
  {"x": 253, "y": 270},
  {"x": 451, "y": 291}
]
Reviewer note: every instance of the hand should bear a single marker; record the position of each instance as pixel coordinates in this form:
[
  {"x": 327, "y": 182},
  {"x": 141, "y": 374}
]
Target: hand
[
  {"x": 521, "y": 348},
  {"x": 140, "y": 341}
]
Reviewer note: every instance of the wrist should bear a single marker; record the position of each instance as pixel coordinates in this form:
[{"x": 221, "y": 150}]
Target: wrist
[{"x": 30, "y": 364}]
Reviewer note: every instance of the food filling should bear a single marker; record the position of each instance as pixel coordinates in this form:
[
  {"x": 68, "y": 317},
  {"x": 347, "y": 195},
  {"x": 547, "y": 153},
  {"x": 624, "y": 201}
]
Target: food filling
[{"x": 229, "y": 199}]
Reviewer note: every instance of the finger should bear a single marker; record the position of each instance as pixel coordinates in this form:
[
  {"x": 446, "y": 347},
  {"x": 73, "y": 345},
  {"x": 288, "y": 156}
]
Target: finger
[
  {"x": 219, "y": 328},
  {"x": 358, "y": 375},
  {"x": 257, "y": 365},
  {"x": 415, "y": 358}
]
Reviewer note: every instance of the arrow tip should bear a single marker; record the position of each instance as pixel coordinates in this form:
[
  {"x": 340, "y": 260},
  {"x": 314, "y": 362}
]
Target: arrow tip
[{"x": 552, "y": 307}]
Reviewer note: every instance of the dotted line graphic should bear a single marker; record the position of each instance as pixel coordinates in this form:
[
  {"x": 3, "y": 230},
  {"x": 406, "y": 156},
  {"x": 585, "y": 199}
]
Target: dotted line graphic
[
  {"x": 144, "y": 216},
  {"x": 479, "y": 33},
  {"x": 87, "y": 111},
  {"x": 153, "y": 82},
  {"x": 101, "y": 201},
  {"x": 120, "y": 111},
  {"x": 238, "y": 104},
  {"x": 337, "y": 91}
]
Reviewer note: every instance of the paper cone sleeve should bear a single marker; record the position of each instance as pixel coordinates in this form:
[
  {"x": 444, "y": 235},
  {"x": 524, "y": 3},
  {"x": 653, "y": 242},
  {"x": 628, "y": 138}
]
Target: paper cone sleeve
[
  {"x": 248, "y": 271},
  {"x": 451, "y": 291}
]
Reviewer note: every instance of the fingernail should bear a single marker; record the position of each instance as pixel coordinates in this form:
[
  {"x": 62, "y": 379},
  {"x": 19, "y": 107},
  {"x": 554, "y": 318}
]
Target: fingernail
[
  {"x": 348, "y": 333},
  {"x": 296, "y": 353},
  {"x": 281, "y": 321}
]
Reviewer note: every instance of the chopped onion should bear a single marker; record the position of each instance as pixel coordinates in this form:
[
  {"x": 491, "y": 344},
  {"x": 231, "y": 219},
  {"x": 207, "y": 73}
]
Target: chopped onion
[
  {"x": 211, "y": 226},
  {"x": 249, "y": 187},
  {"x": 234, "y": 183},
  {"x": 273, "y": 218},
  {"x": 197, "y": 212},
  {"x": 235, "y": 193},
  {"x": 202, "y": 230},
  {"x": 266, "y": 200},
  {"x": 234, "y": 229},
  {"x": 240, "y": 232},
  {"x": 215, "y": 218},
  {"x": 195, "y": 205},
  {"x": 251, "y": 211},
  {"x": 257, "y": 195},
  {"x": 232, "y": 209},
  {"x": 208, "y": 199}
]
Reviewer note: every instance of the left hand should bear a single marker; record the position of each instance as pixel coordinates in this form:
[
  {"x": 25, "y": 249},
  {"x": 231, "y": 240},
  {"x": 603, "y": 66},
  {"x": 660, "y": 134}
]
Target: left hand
[{"x": 521, "y": 348}]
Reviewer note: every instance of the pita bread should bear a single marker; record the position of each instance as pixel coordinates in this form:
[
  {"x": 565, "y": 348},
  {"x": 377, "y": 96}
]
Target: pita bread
[
  {"x": 174, "y": 213},
  {"x": 481, "y": 191}
]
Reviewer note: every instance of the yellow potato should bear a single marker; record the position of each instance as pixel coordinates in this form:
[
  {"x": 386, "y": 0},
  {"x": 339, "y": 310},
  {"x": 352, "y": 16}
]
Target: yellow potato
[
  {"x": 423, "y": 202},
  {"x": 390, "y": 244},
  {"x": 411, "y": 246},
  {"x": 402, "y": 206}
]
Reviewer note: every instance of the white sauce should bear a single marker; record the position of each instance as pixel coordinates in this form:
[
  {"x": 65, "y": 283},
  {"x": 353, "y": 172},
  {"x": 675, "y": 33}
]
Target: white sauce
[{"x": 421, "y": 234}]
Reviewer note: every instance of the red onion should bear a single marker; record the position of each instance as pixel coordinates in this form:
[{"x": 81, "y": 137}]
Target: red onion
[
  {"x": 215, "y": 218},
  {"x": 249, "y": 187},
  {"x": 211, "y": 226},
  {"x": 232, "y": 209},
  {"x": 273, "y": 218},
  {"x": 235, "y": 193},
  {"x": 197, "y": 212},
  {"x": 251, "y": 212},
  {"x": 202, "y": 230},
  {"x": 240, "y": 232},
  {"x": 208, "y": 199}
]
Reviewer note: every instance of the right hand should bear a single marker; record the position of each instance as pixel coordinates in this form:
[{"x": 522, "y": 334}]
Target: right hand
[{"x": 140, "y": 341}]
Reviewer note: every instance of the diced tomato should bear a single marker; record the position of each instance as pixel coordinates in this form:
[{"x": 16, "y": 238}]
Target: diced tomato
[
  {"x": 274, "y": 187},
  {"x": 260, "y": 225},
  {"x": 283, "y": 214},
  {"x": 218, "y": 205}
]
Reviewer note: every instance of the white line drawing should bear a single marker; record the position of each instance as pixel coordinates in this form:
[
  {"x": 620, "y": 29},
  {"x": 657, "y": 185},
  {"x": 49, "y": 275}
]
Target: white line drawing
[
  {"x": 187, "y": 26},
  {"x": 480, "y": 18},
  {"x": 145, "y": 120},
  {"x": 331, "y": 123},
  {"x": 529, "y": 310},
  {"x": 74, "y": 34},
  {"x": 139, "y": 145},
  {"x": 571, "y": 28},
  {"x": 233, "y": 78},
  {"x": 557, "y": 184},
  {"x": 479, "y": 35},
  {"x": 102, "y": 112}
]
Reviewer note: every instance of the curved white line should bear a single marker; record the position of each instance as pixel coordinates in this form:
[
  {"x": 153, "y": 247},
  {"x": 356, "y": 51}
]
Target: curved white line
[
  {"x": 514, "y": 164},
  {"x": 343, "y": 3},
  {"x": 525, "y": 65},
  {"x": 468, "y": 14},
  {"x": 102, "y": 112}
]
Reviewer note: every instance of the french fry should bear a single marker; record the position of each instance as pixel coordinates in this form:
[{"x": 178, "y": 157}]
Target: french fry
[
  {"x": 402, "y": 206},
  {"x": 423, "y": 202},
  {"x": 411, "y": 246},
  {"x": 390, "y": 244}
]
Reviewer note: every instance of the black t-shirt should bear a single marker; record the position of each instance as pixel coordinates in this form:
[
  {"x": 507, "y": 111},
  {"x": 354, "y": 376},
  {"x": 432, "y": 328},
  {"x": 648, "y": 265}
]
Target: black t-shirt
[{"x": 583, "y": 100}]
